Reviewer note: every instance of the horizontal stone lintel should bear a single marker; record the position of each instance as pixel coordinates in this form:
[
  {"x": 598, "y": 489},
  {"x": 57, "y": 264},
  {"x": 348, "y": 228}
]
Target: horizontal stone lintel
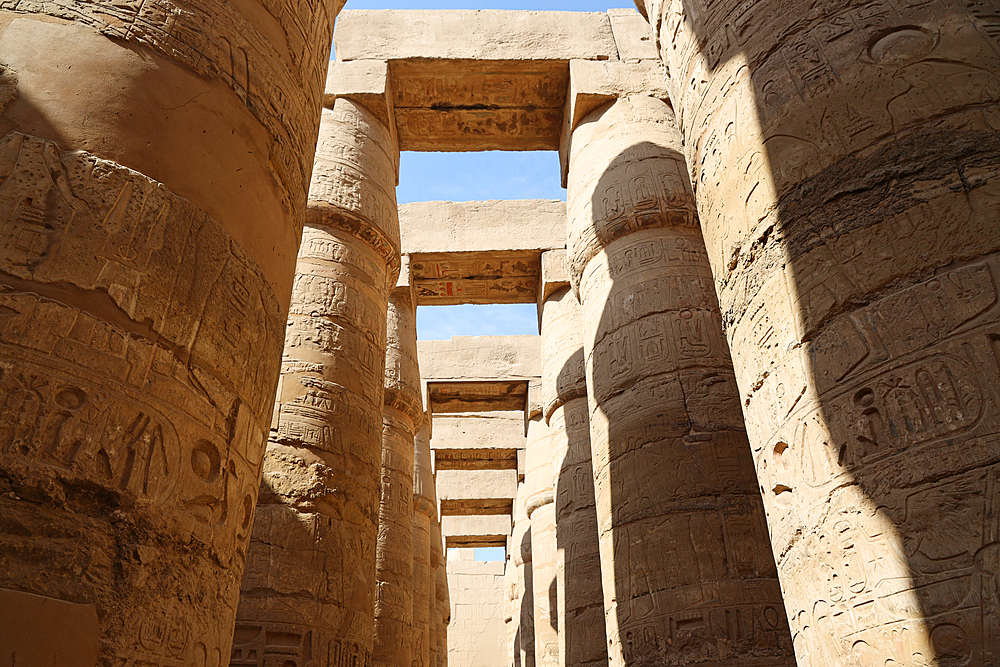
[
  {"x": 475, "y": 459},
  {"x": 451, "y": 397},
  {"x": 477, "y": 506},
  {"x": 475, "y": 541}
]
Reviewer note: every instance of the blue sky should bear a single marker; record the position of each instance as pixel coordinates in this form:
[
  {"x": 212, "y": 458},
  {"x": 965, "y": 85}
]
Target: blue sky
[{"x": 478, "y": 176}]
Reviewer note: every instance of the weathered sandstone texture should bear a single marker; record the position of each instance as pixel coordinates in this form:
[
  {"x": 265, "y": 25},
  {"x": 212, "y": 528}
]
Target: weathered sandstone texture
[
  {"x": 858, "y": 279},
  {"x": 402, "y": 414},
  {"x": 433, "y": 615},
  {"x": 424, "y": 511},
  {"x": 310, "y": 583},
  {"x": 478, "y": 598},
  {"x": 444, "y": 609},
  {"x": 154, "y": 163},
  {"x": 464, "y": 252},
  {"x": 477, "y": 80},
  {"x": 687, "y": 569},
  {"x": 542, "y": 516},
  {"x": 523, "y": 647},
  {"x": 580, "y": 605}
]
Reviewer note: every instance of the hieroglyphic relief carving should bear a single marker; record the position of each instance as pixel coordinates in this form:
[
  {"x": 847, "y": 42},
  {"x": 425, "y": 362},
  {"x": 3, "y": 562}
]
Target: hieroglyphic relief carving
[
  {"x": 580, "y": 601},
  {"x": 447, "y": 280},
  {"x": 685, "y": 554},
  {"x": 424, "y": 513},
  {"x": 117, "y": 376},
  {"x": 864, "y": 364},
  {"x": 401, "y": 414},
  {"x": 540, "y": 508},
  {"x": 319, "y": 510},
  {"x": 281, "y": 84}
]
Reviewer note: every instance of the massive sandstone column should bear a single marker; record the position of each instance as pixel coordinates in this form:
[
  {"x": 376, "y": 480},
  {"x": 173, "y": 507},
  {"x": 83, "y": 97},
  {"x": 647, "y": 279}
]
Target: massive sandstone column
[
  {"x": 523, "y": 645},
  {"x": 540, "y": 508},
  {"x": 688, "y": 573},
  {"x": 845, "y": 163},
  {"x": 401, "y": 416},
  {"x": 442, "y": 609},
  {"x": 582, "y": 639},
  {"x": 433, "y": 615},
  {"x": 310, "y": 578},
  {"x": 154, "y": 162},
  {"x": 424, "y": 509}
]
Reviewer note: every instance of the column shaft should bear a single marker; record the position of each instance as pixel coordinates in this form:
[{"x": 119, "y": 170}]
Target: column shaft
[
  {"x": 318, "y": 509},
  {"x": 541, "y": 512},
  {"x": 402, "y": 413},
  {"x": 858, "y": 279},
  {"x": 146, "y": 257},
  {"x": 582, "y": 637},
  {"x": 688, "y": 572},
  {"x": 523, "y": 647},
  {"x": 434, "y": 617},
  {"x": 423, "y": 511}
]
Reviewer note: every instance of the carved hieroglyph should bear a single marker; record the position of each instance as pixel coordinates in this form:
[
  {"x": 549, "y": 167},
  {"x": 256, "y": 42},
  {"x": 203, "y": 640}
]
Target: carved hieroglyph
[
  {"x": 523, "y": 644},
  {"x": 858, "y": 278},
  {"x": 401, "y": 415},
  {"x": 424, "y": 511},
  {"x": 540, "y": 509},
  {"x": 433, "y": 615},
  {"x": 688, "y": 572},
  {"x": 310, "y": 577},
  {"x": 140, "y": 319},
  {"x": 443, "y": 610},
  {"x": 580, "y": 611}
]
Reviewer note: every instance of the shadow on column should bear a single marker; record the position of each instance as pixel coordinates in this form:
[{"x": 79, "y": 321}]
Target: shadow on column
[
  {"x": 859, "y": 287},
  {"x": 694, "y": 579},
  {"x": 584, "y": 637},
  {"x": 526, "y": 634}
]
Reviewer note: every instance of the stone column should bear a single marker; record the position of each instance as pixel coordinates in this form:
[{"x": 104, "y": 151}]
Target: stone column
[
  {"x": 154, "y": 164},
  {"x": 443, "y": 610},
  {"x": 434, "y": 622},
  {"x": 523, "y": 646},
  {"x": 424, "y": 501},
  {"x": 318, "y": 508},
  {"x": 580, "y": 611},
  {"x": 401, "y": 416},
  {"x": 846, "y": 164},
  {"x": 688, "y": 572},
  {"x": 540, "y": 510}
]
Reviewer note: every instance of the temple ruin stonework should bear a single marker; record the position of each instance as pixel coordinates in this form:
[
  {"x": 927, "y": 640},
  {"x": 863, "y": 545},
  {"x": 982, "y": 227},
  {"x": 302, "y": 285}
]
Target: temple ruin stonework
[{"x": 757, "y": 426}]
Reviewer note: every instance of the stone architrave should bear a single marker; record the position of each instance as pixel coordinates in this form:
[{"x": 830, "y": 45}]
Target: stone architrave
[
  {"x": 846, "y": 162},
  {"x": 154, "y": 163},
  {"x": 523, "y": 644},
  {"x": 319, "y": 505},
  {"x": 540, "y": 509},
  {"x": 434, "y": 615},
  {"x": 580, "y": 611},
  {"x": 687, "y": 568},
  {"x": 401, "y": 416},
  {"x": 424, "y": 510}
]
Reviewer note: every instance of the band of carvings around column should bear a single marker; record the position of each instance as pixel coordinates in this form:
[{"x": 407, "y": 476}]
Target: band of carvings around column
[
  {"x": 141, "y": 322},
  {"x": 436, "y": 619},
  {"x": 540, "y": 508},
  {"x": 318, "y": 510},
  {"x": 582, "y": 637},
  {"x": 686, "y": 560},
  {"x": 523, "y": 648},
  {"x": 424, "y": 510},
  {"x": 401, "y": 416},
  {"x": 858, "y": 280}
]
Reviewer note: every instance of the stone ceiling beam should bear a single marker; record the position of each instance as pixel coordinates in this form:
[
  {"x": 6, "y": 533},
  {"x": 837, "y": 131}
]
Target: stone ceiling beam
[{"x": 464, "y": 252}]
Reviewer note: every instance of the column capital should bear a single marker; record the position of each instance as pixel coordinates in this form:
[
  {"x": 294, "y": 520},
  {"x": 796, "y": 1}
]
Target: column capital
[
  {"x": 595, "y": 83},
  {"x": 366, "y": 82}
]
